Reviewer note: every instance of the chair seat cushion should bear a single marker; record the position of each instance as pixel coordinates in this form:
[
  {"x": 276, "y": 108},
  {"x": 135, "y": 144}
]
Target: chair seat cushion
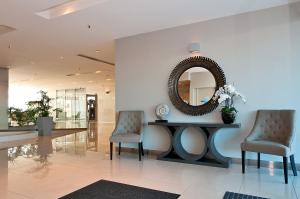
[
  {"x": 267, "y": 147},
  {"x": 126, "y": 137}
]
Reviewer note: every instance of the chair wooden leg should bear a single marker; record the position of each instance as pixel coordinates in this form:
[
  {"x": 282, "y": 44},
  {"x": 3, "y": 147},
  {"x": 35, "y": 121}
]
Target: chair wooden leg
[
  {"x": 243, "y": 161},
  {"x": 292, "y": 159},
  {"x": 258, "y": 160},
  {"x": 111, "y": 150},
  {"x": 119, "y": 148},
  {"x": 285, "y": 169},
  {"x": 140, "y": 151}
]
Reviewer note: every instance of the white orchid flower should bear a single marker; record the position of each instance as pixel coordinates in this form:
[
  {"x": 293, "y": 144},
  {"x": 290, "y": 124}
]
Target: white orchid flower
[
  {"x": 226, "y": 94},
  {"x": 230, "y": 89},
  {"x": 243, "y": 99},
  {"x": 223, "y": 97}
]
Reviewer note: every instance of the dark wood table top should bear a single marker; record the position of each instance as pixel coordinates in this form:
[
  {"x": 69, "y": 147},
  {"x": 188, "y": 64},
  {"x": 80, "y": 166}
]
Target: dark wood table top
[{"x": 196, "y": 124}]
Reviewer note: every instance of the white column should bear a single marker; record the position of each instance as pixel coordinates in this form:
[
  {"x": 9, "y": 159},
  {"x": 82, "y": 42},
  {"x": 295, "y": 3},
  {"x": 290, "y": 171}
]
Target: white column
[
  {"x": 3, "y": 98},
  {"x": 3, "y": 125}
]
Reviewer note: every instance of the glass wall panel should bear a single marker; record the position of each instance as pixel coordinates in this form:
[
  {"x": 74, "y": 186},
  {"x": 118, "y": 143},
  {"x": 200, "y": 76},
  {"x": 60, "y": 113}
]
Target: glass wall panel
[{"x": 72, "y": 104}]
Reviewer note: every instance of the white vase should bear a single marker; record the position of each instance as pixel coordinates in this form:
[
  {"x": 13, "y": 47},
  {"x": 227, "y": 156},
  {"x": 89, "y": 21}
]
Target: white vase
[{"x": 45, "y": 125}]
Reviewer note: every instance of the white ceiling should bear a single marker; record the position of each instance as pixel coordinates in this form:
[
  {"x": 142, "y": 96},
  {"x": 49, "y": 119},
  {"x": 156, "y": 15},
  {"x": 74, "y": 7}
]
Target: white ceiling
[{"x": 37, "y": 44}]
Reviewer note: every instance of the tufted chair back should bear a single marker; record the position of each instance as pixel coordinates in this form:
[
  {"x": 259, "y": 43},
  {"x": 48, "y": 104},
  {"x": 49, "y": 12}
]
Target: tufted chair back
[
  {"x": 130, "y": 122},
  {"x": 275, "y": 126}
]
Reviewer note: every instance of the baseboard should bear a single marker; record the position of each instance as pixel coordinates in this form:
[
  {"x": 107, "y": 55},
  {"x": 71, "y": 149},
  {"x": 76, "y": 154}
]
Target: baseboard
[{"x": 250, "y": 162}]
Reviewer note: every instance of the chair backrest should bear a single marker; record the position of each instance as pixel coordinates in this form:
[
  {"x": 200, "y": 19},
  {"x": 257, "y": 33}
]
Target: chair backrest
[
  {"x": 130, "y": 122},
  {"x": 274, "y": 125}
]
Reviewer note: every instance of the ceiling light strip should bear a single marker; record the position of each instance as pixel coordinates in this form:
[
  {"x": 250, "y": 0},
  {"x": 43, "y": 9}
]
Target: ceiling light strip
[{"x": 95, "y": 59}]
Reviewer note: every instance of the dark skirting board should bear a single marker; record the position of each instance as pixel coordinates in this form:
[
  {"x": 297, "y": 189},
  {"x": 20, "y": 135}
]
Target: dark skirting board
[{"x": 104, "y": 189}]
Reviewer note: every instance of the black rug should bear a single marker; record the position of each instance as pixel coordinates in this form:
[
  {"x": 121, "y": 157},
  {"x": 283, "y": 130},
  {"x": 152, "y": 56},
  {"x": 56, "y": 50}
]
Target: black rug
[
  {"x": 231, "y": 195},
  {"x": 104, "y": 189}
]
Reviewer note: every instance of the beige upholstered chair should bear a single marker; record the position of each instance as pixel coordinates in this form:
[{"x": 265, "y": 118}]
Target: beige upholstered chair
[
  {"x": 273, "y": 133},
  {"x": 129, "y": 129}
]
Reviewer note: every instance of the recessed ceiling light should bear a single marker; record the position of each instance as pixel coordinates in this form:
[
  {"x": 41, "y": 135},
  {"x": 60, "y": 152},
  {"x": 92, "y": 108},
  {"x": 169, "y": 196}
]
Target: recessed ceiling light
[
  {"x": 68, "y": 7},
  {"x": 98, "y": 71},
  {"x": 108, "y": 79},
  {"x": 98, "y": 51}
]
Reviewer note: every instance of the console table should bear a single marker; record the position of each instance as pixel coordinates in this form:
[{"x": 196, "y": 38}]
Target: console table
[{"x": 209, "y": 156}]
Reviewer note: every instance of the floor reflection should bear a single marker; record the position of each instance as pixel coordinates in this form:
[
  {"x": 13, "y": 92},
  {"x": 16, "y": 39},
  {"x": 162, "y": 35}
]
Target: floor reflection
[
  {"x": 41, "y": 159},
  {"x": 71, "y": 124},
  {"x": 75, "y": 143},
  {"x": 37, "y": 156},
  {"x": 92, "y": 137}
]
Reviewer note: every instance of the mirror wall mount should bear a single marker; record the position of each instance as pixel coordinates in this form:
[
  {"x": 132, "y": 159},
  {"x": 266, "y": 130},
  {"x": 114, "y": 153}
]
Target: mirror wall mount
[{"x": 182, "y": 67}]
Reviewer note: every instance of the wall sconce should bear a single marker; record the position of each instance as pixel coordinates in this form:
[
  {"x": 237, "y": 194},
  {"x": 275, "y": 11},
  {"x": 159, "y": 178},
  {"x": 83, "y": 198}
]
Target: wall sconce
[{"x": 194, "y": 49}]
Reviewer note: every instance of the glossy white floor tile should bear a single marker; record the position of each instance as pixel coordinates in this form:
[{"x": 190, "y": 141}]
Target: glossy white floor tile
[
  {"x": 74, "y": 161},
  {"x": 267, "y": 183}
]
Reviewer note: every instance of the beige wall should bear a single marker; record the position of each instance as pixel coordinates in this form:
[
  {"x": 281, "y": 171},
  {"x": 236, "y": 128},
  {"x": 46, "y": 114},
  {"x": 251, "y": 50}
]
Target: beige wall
[
  {"x": 258, "y": 51},
  {"x": 106, "y": 103}
]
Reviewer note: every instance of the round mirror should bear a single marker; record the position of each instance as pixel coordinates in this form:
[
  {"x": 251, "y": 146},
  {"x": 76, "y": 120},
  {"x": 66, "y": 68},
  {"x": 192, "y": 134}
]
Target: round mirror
[
  {"x": 196, "y": 86},
  {"x": 193, "y": 83}
]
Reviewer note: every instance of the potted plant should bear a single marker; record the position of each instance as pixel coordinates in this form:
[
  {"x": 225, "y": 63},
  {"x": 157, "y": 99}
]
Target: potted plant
[
  {"x": 16, "y": 114},
  {"x": 40, "y": 111},
  {"x": 22, "y": 118},
  {"x": 227, "y": 95}
]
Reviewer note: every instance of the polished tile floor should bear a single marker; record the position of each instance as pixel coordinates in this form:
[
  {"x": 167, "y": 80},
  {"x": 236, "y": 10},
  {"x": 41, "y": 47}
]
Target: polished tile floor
[{"x": 50, "y": 167}]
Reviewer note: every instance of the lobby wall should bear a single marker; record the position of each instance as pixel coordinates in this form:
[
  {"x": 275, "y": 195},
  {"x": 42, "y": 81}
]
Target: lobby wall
[
  {"x": 258, "y": 51},
  {"x": 3, "y": 98}
]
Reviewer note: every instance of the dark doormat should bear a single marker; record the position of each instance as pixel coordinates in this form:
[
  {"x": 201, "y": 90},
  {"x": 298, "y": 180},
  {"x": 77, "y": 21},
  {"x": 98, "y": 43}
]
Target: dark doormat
[
  {"x": 104, "y": 189},
  {"x": 231, "y": 195}
]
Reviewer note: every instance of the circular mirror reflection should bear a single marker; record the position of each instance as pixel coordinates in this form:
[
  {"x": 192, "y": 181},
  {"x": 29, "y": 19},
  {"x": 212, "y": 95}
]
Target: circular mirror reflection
[{"x": 196, "y": 86}]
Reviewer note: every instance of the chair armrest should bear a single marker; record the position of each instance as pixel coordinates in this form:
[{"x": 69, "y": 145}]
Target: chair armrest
[
  {"x": 249, "y": 138},
  {"x": 254, "y": 133},
  {"x": 252, "y": 136},
  {"x": 114, "y": 132}
]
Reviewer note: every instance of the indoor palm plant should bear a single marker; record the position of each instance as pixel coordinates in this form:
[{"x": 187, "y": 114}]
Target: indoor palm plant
[
  {"x": 41, "y": 109},
  {"x": 226, "y": 96},
  {"x": 37, "y": 112}
]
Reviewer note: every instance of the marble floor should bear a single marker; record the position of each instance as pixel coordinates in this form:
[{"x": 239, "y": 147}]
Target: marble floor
[{"x": 49, "y": 167}]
